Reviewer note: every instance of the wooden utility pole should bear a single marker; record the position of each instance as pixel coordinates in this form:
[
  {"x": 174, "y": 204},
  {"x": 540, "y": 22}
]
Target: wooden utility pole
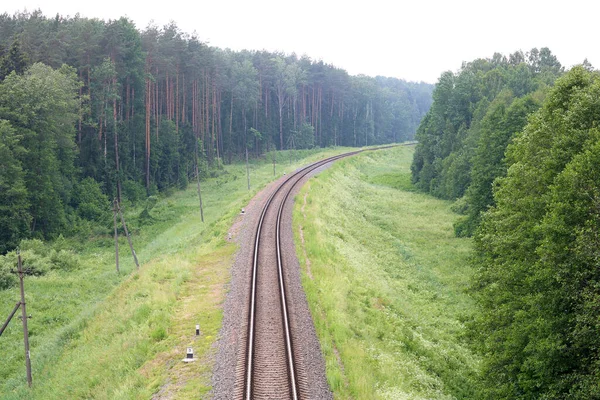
[
  {"x": 247, "y": 169},
  {"x": 12, "y": 314},
  {"x": 24, "y": 315},
  {"x": 135, "y": 259},
  {"x": 274, "y": 155},
  {"x": 115, "y": 205},
  {"x": 198, "y": 183},
  {"x": 292, "y": 147}
]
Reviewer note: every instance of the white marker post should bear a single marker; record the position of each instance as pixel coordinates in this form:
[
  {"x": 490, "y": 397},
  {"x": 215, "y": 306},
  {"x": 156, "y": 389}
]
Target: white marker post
[
  {"x": 189, "y": 356},
  {"x": 197, "y": 330}
]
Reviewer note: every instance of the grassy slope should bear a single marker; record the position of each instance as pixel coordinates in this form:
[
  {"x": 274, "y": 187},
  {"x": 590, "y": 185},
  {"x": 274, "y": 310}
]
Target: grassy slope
[
  {"x": 388, "y": 279},
  {"x": 96, "y": 334}
]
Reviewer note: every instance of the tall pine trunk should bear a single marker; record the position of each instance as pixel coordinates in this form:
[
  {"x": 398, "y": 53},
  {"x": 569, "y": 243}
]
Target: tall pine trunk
[
  {"x": 148, "y": 129},
  {"x": 116, "y": 137}
]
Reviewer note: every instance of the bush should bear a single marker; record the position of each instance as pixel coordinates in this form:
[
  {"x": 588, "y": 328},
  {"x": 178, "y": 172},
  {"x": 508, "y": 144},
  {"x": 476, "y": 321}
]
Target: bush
[
  {"x": 145, "y": 217},
  {"x": 34, "y": 245},
  {"x": 63, "y": 260},
  {"x": 460, "y": 206},
  {"x": 182, "y": 181},
  {"x": 133, "y": 191},
  {"x": 7, "y": 278},
  {"x": 159, "y": 333},
  {"x": 305, "y": 137},
  {"x": 90, "y": 203},
  {"x": 33, "y": 263},
  {"x": 38, "y": 258}
]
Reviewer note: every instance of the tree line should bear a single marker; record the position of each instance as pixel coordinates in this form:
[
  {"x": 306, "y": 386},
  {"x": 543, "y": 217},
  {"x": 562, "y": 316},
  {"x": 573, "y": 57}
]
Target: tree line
[
  {"x": 516, "y": 141},
  {"x": 536, "y": 250},
  {"x": 474, "y": 116},
  {"x": 93, "y": 106}
]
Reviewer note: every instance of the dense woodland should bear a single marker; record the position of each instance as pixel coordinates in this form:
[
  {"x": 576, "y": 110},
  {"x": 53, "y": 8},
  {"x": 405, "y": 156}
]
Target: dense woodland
[
  {"x": 516, "y": 141},
  {"x": 537, "y": 253},
  {"x": 92, "y": 109},
  {"x": 475, "y": 114}
]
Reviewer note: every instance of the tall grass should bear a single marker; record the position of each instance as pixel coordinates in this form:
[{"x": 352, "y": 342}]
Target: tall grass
[
  {"x": 98, "y": 334},
  {"x": 388, "y": 283}
]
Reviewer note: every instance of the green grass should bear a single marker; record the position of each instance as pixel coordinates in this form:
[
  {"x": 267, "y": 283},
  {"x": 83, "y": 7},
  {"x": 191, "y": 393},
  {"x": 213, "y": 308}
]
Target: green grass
[
  {"x": 386, "y": 283},
  {"x": 98, "y": 334}
]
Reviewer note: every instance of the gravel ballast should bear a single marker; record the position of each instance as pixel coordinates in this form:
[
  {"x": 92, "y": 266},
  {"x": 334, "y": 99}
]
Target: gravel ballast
[{"x": 228, "y": 375}]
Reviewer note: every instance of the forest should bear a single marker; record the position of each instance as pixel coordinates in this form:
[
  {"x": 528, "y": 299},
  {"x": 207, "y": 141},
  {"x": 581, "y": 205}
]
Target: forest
[
  {"x": 91, "y": 110},
  {"x": 474, "y": 116},
  {"x": 515, "y": 142},
  {"x": 94, "y": 110}
]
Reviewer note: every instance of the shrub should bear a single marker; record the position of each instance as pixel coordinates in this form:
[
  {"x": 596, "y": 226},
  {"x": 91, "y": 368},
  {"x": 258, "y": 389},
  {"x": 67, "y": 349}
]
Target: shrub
[
  {"x": 145, "y": 216},
  {"x": 63, "y": 260},
  {"x": 305, "y": 137},
  {"x": 90, "y": 203},
  {"x": 7, "y": 278},
  {"x": 133, "y": 191},
  {"x": 33, "y": 263},
  {"x": 38, "y": 258}
]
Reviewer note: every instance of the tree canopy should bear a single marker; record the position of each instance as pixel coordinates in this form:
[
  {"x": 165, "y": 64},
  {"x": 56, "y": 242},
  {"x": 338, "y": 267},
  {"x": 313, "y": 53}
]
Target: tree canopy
[
  {"x": 86, "y": 98},
  {"x": 474, "y": 116},
  {"x": 538, "y": 280}
]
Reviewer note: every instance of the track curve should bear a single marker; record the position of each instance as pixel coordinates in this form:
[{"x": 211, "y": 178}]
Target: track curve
[
  {"x": 270, "y": 370},
  {"x": 268, "y": 348}
]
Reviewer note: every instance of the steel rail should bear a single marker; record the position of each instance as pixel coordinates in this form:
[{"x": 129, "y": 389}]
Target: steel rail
[
  {"x": 252, "y": 311},
  {"x": 298, "y": 175}
]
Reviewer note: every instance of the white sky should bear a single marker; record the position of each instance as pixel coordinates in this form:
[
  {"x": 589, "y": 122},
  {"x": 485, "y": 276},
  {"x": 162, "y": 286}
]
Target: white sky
[{"x": 415, "y": 40}]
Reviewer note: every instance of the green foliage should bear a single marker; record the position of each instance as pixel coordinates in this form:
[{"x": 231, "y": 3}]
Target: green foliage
[
  {"x": 169, "y": 163},
  {"x": 203, "y": 167},
  {"x": 38, "y": 259},
  {"x": 133, "y": 191},
  {"x": 42, "y": 109},
  {"x": 90, "y": 203},
  {"x": 145, "y": 217},
  {"x": 305, "y": 137},
  {"x": 474, "y": 116},
  {"x": 14, "y": 204},
  {"x": 537, "y": 253},
  {"x": 505, "y": 116},
  {"x": 246, "y": 89},
  {"x": 103, "y": 100},
  {"x": 158, "y": 334},
  {"x": 7, "y": 276},
  {"x": 13, "y": 61}
]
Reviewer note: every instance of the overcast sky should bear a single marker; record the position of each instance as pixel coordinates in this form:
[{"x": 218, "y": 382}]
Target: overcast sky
[{"x": 415, "y": 40}]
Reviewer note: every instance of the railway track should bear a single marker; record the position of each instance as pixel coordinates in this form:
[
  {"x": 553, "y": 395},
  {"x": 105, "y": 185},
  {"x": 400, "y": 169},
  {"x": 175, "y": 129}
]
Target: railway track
[{"x": 270, "y": 358}]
